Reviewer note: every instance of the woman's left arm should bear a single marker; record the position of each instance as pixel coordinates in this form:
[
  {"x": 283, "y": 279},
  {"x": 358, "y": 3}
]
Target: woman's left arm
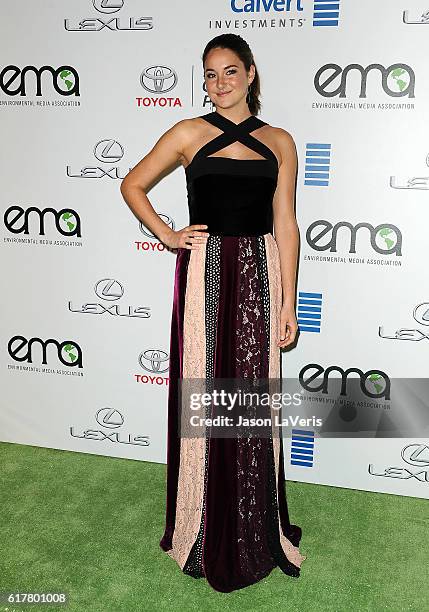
[{"x": 287, "y": 234}]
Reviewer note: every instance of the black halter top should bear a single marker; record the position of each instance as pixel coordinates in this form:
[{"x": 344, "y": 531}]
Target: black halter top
[{"x": 233, "y": 197}]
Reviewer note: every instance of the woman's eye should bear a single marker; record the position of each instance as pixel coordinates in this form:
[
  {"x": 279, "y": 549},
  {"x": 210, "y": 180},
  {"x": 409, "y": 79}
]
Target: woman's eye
[{"x": 232, "y": 71}]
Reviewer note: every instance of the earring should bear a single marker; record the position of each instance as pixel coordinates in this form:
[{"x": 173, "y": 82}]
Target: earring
[{"x": 248, "y": 94}]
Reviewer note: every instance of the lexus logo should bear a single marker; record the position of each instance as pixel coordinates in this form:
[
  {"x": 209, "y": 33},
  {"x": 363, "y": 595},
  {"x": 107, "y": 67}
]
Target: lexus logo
[
  {"x": 158, "y": 79},
  {"x": 108, "y": 151},
  {"x": 109, "y": 417},
  {"x": 416, "y": 454},
  {"x": 421, "y": 313},
  {"x": 108, "y": 6},
  {"x": 109, "y": 289}
]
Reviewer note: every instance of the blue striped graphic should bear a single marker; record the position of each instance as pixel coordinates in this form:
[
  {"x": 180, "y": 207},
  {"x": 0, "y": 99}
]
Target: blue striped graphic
[
  {"x": 309, "y": 311},
  {"x": 302, "y": 447},
  {"x": 326, "y": 13},
  {"x": 317, "y": 163}
]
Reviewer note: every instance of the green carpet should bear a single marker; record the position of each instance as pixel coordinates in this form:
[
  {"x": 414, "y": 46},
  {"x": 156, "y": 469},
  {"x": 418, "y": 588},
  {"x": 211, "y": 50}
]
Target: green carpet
[{"x": 90, "y": 525}]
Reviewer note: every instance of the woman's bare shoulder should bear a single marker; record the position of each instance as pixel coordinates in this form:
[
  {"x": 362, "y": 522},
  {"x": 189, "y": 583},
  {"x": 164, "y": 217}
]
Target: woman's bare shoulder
[
  {"x": 188, "y": 135},
  {"x": 281, "y": 136},
  {"x": 281, "y": 140},
  {"x": 187, "y": 128},
  {"x": 185, "y": 132}
]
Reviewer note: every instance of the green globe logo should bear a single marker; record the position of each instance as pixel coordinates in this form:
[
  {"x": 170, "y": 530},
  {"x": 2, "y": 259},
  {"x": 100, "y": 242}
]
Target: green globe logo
[
  {"x": 399, "y": 79},
  {"x": 68, "y": 352},
  {"x": 65, "y": 77},
  {"x": 386, "y": 238},
  {"x": 375, "y": 383},
  {"x": 68, "y": 221}
]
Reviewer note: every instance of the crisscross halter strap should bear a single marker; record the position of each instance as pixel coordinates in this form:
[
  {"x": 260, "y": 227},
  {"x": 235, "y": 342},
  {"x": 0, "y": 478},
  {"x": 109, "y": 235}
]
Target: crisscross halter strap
[{"x": 233, "y": 132}]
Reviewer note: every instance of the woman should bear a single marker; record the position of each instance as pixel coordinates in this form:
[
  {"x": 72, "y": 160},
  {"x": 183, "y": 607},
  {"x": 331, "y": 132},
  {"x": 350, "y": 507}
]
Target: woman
[{"x": 233, "y": 310}]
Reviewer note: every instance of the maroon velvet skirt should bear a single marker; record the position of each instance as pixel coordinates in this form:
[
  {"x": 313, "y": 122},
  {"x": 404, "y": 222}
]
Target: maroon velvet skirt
[{"x": 226, "y": 514}]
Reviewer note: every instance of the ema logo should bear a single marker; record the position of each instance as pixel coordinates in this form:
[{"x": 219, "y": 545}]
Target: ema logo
[
  {"x": 69, "y": 353},
  {"x": 384, "y": 238},
  {"x": 14, "y": 80},
  {"x": 17, "y": 220},
  {"x": 309, "y": 311},
  {"x": 317, "y": 164},
  {"x": 302, "y": 448},
  {"x": 397, "y": 80}
]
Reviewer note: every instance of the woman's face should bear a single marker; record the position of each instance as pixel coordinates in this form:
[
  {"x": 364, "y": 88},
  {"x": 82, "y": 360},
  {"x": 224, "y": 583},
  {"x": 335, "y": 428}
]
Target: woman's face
[{"x": 226, "y": 78}]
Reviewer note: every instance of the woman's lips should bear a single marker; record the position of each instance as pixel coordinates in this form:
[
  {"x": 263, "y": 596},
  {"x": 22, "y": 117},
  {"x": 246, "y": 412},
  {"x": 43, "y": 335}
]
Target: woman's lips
[{"x": 225, "y": 93}]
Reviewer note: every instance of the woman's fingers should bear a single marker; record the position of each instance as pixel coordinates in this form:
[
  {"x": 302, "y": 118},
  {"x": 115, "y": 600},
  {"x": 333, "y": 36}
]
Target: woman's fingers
[{"x": 195, "y": 239}]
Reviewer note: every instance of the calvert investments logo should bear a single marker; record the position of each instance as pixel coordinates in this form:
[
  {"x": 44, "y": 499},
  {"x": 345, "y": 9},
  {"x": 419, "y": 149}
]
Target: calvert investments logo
[
  {"x": 109, "y": 152},
  {"x": 261, "y": 14},
  {"x": 383, "y": 239},
  {"x": 317, "y": 164},
  {"x": 110, "y": 290},
  {"x": 266, "y": 6},
  {"x": 326, "y": 13},
  {"x": 302, "y": 448},
  {"x": 110, "y": 430},
  {"x": 414, "y": 455},
  {"x": 157, "y": 81},
  {"x": 412, "y": 334},
  {"x": 33, "y": 220},
  {"x": 154, "y": 362},
  {"x": 309, "y": 311},
  {"x": 270, "y": 14},
  {"x": 107, "y": 18}
]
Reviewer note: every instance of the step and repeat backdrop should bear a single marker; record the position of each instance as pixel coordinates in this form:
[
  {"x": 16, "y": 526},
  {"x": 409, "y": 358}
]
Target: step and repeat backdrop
[{"x": 86, "y": 89}]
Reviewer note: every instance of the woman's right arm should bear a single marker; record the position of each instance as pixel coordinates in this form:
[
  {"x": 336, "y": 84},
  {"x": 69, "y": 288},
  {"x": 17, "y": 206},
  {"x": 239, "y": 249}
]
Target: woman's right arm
[{"x": 164, "y": 156}]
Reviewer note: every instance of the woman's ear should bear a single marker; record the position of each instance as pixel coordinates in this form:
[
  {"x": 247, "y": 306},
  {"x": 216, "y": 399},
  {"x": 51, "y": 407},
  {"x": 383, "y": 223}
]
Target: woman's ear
[{"x": 251, "y": 73}]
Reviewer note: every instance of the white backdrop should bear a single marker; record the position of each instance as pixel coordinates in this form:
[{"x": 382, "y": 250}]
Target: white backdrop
[{"x": 84, "y": 279}]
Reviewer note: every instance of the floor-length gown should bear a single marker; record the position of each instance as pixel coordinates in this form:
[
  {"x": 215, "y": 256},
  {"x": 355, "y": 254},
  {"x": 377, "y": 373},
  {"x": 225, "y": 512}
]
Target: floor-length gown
[{"x": 227, "y": 516}]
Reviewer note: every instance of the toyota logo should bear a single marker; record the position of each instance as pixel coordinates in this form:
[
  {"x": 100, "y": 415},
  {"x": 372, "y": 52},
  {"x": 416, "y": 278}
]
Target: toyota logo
[
  {"x": 158, "y": 79},
  {"x": 167, "y": 220},
  {"x": 155, "y": 358}
]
